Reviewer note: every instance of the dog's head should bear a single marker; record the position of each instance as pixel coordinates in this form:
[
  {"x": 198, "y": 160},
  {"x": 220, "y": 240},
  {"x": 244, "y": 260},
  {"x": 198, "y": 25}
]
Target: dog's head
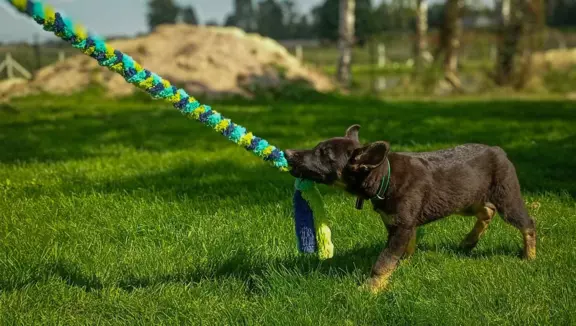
[{"x": 339, "y": 159}]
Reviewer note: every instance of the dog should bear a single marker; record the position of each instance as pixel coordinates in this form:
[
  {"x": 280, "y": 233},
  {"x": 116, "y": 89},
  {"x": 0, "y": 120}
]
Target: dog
[{"x": 412, "y": 189}]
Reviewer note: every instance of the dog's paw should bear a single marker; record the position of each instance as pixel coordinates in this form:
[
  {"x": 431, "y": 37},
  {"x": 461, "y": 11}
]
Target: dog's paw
[
  {"x": 375, "y": 285},
  {"x": 529, "y": 254},
  {"x": 467, "y": 245}
]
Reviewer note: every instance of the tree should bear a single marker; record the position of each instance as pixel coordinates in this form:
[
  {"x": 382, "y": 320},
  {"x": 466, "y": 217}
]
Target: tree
[
  {"x": 161, "y": 12},
  {"x": 303, "y": 28},
  {"x": 450, "y": 39},
  {"x": 436, "y": 15},
  {"x": 326, "y": 21},
  {"x": 230, "y": 20},
  {"x": 289, "y": 18},
  {"x": 381, "y": 17},
  {"x": 421, "y": 46},
  {"x": 245, "y": 15},
  {"x": 212, "y": 23},
  {"x": 270, "y": 19},
  {"x": 508, "y": 36},
  {"x": 521, "y": 25},
  {"x": 346, "y": 41},
  {"x": 561, "y": 13},
  {"x": 402, "y": 14},
  {"x": 533, "y": 20},
  {"x": 364, "y": 21},
  {"x": 189, "y": 16}
]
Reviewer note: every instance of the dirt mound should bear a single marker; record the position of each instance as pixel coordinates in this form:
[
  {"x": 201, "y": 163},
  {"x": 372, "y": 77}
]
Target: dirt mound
[
  {"x": 557, "y": 59},
  {"x": 202, "y": 60}
]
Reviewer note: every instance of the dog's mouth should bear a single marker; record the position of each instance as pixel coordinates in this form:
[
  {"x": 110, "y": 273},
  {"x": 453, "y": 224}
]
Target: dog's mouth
[
  {"x": 312, "y": 175},
  {"x": 295, "y": 173}
]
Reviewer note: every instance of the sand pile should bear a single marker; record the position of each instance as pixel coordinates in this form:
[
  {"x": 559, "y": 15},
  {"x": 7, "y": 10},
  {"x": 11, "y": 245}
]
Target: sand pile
[
  {"x": 203, "y": 60},
  {"x": 556, "y": 59}
]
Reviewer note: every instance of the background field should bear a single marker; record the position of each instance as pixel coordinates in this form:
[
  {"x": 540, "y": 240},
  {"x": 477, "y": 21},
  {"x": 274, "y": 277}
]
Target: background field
[{"x": 125, "y": 212}]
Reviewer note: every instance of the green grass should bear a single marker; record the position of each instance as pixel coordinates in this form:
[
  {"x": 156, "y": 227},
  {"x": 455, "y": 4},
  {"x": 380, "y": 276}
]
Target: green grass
[{"x": 124, "y": 212}]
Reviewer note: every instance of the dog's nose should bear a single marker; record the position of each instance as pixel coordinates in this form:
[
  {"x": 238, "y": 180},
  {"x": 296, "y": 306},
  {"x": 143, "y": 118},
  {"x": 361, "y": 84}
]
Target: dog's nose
[{"x": 288, "y": 154}]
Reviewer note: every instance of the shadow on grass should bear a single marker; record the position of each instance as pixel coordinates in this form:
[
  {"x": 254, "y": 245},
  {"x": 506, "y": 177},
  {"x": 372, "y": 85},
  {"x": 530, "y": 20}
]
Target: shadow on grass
[
  {"x": 340, "y": 265},
  {"x": 225, "y": 183},
  {"x": 240, "y": 267},
  {"x": 69, "y": 133},
  {"x": 66, "y": 271},
  {"x": 544, "y": 167}
]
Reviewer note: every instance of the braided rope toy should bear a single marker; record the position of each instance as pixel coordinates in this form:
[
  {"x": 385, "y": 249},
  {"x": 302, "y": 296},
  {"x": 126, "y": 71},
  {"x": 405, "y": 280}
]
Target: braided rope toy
[{"x": 313, "y": 233}]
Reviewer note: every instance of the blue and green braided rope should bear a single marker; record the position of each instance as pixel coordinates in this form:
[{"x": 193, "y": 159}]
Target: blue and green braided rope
[
  {"x": 151, "y": 83},
  {"x": 159, "y": 88}
]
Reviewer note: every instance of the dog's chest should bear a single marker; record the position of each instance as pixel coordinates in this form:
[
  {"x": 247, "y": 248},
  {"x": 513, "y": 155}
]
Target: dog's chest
[{"x": 388, "y": 219}]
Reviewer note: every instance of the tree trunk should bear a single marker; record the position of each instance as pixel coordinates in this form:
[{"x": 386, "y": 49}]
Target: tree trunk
[
  {"x": 509, "y": 35},
  {"x": 551, "y": 9},
  {"x": 453, "y": 30},
  {"x": 533, "y": 22},
  {"x": 520, "y": 35},
  {"x": 346, "y": 41},
  {"x": 421, "y": 47}
]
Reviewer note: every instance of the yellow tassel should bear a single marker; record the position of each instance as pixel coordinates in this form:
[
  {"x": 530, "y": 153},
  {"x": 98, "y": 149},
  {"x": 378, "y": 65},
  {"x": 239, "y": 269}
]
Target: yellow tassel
[{"x": 323, "y": 233}]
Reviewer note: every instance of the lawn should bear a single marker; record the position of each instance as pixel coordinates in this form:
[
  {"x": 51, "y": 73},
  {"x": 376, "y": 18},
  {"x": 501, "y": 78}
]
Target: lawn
[{"x": 124, "y": 212}]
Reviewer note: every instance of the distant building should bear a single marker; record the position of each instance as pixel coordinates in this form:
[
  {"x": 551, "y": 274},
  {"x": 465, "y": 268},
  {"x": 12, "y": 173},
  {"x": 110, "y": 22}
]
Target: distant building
[{"x": 478, "y": 21}]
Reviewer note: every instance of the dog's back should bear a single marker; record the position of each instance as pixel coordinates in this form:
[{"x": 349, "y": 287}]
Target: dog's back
[
  {"x": 461, "y": 154},
  {"x": 458, "y": 179}
]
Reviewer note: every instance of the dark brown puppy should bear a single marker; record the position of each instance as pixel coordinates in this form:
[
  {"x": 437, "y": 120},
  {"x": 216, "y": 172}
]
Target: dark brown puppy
[{"x": 412, "y": 189}]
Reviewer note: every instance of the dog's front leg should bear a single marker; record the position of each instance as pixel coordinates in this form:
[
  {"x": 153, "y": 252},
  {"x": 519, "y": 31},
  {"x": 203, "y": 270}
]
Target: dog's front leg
[{"x": 398, "y": 239}]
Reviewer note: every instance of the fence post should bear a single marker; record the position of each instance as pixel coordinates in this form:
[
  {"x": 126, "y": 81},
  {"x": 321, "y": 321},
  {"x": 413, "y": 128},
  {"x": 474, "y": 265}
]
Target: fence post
[
  {"x": 381, "y": 83},
  {"x": 37, "y": 52},
  {"x": 9, "y": 66},
  {"x": 493, "y": 53},
  {"x": 299, "y": 52},
  {"x": 372, "y": 52},
  {"x": 381, "y": 55}
]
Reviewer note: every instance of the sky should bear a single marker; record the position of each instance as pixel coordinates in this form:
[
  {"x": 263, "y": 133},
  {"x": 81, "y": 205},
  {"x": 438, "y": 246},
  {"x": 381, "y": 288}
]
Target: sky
[{"x": 109, "y": 17}]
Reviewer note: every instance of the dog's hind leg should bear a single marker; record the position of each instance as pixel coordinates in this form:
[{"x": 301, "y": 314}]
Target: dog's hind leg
[
  {"x": 483, "y": 218},
  {"x": 514, "y": 212},
  {"x": 510, "y": 205}
]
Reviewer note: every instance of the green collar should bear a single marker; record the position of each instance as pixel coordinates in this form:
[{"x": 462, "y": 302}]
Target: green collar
[{"x": 380, "y": 194}]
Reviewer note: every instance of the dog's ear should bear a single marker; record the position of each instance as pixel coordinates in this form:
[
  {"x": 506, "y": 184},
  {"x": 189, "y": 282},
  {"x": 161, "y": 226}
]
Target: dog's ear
[
  {"x": 370, "y": 156},
  {"x": 352, "y": 132}
]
